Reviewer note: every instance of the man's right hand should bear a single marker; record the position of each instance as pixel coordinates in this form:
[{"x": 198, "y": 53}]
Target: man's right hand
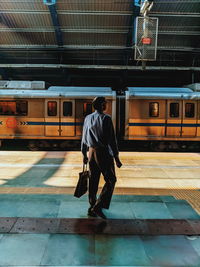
[{"x": 85, "y": 159}]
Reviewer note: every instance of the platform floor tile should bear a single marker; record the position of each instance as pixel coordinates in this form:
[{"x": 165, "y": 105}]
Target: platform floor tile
[
  {"x": 137, "y": 198},
  {"x": 73, "y": 209},
  {"x": 70, "y": 250},
  {"x": 171, "y": 199},
  {"x": 182, "y": 211},
  {"x": 29, "y": 208},
  {"x": 24, "y": 250},
  {"x": 170, "y": 251},
  {"x": 195, "y": 242},
  {"x": 98, "y": 250},
  {"x": 150, "y": 210},
  {"x": 120, "y": 210},
  {"x": 10, "y": 208},
  {"x": 116, "y": 250},
  {"x": 122, "y": 207}
]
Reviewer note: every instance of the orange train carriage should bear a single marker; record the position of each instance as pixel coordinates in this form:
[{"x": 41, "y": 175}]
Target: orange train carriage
[
  {"x": 167, "y": 117},
  {"x": 40, "y": 115}
]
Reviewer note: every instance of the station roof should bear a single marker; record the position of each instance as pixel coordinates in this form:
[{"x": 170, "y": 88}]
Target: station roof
[{"x": 95, "y": 34}]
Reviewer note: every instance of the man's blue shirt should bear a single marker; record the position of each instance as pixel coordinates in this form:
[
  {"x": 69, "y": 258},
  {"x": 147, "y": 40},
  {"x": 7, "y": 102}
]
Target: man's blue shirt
[{"x": 98, "y": 131}]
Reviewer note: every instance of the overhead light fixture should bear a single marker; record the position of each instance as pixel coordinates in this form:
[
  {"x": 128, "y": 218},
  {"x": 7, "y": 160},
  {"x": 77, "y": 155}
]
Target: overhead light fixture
[{"x": 49, "y": 2}]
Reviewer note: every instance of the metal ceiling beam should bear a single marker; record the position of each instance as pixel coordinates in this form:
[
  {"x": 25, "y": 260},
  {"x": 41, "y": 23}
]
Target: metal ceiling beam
[
  {"x": 113, "y": 31},
  {"x": 165, "y": 14},
  {"x": 95, "y": 13},
  {"x": 27, "y": 29},
  {"x": 48, "y": 48},
  {"x": 103, "y": 13},
  {"x": 26, "y": 12},
  {"x": 77, "y": 12},
  {"x": 65, "y": 30},
  {"x": 104, "y": 31},
  {"x": 54, "y": 17},
  {"x": 189, "y": 33},
  {"x": 105, "y": 67}
]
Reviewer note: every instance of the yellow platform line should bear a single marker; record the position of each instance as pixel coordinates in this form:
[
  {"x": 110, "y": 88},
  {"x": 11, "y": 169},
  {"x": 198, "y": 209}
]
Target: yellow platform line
[{"x": 118, "y": 190}]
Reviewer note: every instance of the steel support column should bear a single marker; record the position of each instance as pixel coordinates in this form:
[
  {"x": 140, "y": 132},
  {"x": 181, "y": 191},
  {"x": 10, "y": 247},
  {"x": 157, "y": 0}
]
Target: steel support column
[{"x": 54, "y": 16}]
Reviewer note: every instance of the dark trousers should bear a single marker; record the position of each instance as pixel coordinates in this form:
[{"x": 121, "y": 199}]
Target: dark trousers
[{"x": 100, "y": 161}]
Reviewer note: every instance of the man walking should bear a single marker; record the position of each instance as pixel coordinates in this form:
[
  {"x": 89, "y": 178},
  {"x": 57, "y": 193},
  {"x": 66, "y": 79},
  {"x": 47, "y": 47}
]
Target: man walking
[{"x": 99, "y": 138}]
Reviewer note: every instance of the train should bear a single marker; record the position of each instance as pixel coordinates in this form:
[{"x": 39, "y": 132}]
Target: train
[{"x": 159, "y": 118}]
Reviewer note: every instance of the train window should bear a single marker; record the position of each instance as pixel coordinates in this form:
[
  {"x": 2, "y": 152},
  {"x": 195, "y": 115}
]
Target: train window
[
  {"x": 67, "y": 108},
  {"x": 52, "y": 108},
  {"x": 16, "y": 108},
  {"x": 87, "y": 109},
  {"x": 153, "y": 109},
  {"x": 174, "y": 110},
  {"x": 189, "y": 110}
]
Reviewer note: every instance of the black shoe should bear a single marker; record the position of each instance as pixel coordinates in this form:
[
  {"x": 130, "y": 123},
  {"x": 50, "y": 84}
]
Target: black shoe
[
  {"x": 91, "y": 212},
  {"x": 98, "y": 211}
]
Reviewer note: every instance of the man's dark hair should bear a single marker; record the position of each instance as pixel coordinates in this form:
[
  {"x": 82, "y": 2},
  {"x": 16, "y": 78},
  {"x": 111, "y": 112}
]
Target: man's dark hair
[{"x": 98, "y": 101}]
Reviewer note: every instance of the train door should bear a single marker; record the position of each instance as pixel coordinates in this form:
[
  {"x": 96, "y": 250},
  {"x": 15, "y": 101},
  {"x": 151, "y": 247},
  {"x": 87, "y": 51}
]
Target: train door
[
  {"x": 67, "y": 118},
  {"x": 189, "y": 119},
  {"x": 174, "y": 118},
  {"x": 198, "y": 119},
  {"x": 52, "y": 120},
  {"x": 83, "y": 108}
]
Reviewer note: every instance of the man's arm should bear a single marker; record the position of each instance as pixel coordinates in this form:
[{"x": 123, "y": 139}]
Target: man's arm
[
  {"x": 112, "y": 141},
  {"x": 84, "y": 147}
]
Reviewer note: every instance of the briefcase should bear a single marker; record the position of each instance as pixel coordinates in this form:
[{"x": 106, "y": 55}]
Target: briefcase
[{"x": 82, "y": 184}]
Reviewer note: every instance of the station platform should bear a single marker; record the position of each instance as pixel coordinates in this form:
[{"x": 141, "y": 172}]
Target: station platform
[{"x": 153, "y": 220}]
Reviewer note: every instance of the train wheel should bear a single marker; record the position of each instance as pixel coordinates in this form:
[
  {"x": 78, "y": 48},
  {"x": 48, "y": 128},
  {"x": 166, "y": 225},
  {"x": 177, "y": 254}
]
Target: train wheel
[
  {"x": 43, "y": 144},
  {"x": 173, "y": 146},
  {"x": 158, "y": 146},
  {"x": 33, "y": 146},
  {"x": 69, "y": 145}
]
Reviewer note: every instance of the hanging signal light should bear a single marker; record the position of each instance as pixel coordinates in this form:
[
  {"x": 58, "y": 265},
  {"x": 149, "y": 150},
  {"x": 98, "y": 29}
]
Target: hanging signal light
[{"x": 146, "y": 41}]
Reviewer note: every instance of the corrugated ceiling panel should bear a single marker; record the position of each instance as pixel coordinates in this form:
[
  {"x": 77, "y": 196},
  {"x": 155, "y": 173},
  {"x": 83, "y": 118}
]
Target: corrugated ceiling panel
[
  {"x": 21, "y": 57},
  {"x": 94, "y": 56},
  {"x": 27, "y": 38},
  {"x": 22, "y": 5},
  {"x": 179, "y": 23},
  {"x": 25, "y": 20},
  {"x": 94, "y": 21},
  {"x": 176, "y": 6},
  {"x": 175, "y": 41},
  {"x": 94, "y": 39},
  {"x": 95, "y": 5}
]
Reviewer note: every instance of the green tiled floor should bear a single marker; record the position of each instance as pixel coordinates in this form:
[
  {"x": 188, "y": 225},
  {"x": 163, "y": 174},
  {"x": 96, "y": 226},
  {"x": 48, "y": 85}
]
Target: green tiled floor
[
  {"x": 70, "y": 250},
  {"x": 151, "y": 210},
  {"x": 98, "y": 250},
  {"x": 182, "y": 210},
  {"x": 22, "y": 249},
  {"x": 66, "y": 206},
  {"x": 120, "y": 250},
  {"x": 165, "y": 250}
]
